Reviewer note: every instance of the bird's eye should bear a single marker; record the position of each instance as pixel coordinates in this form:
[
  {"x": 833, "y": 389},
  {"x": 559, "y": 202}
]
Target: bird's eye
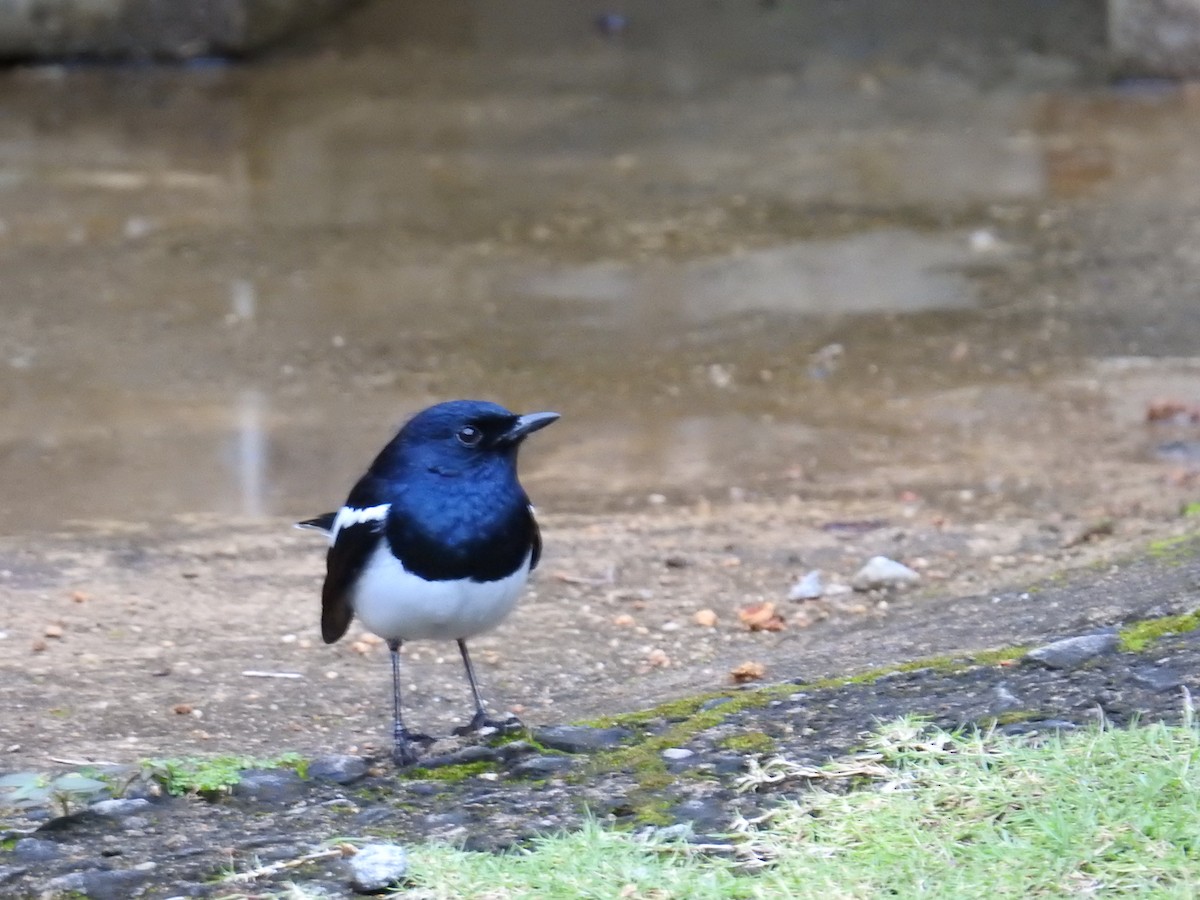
[{"x": 469, "y": 436}]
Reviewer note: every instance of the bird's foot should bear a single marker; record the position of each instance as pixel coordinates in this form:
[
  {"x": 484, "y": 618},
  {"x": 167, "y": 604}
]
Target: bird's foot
[
  {"x": 481, "y": 725},
  {"x": 404, "y": 746}
]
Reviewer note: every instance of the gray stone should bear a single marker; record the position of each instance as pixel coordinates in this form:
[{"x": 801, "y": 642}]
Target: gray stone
[
  {"x": 542, "y": 766},
  {"x": 674, "y": 754},
  {"x": 472, "y": 754},
  {"x": 1072, "y": 652},
  {"x": 881, "y": 572},
  {"x": 119, "y": 808},
  {"x": 515, "y": 749},
  {"x": 1157, "y": 678},
  {"x": 12, "y": 873},
  {"x": 377, "y": 867},
  {"x": 99, "y": 884},
  {"x": 809, "y": 587},
  {"x": 1005, "y": 699},
  {"x": 36, "y": 850},
  {"x": 152, "y": 28},
  {"x": 580, "y": 738},
  {"x": 1155, "y": 37},
  {"x": 339, "y": 769},
  {"x": 269, "y": 785}
]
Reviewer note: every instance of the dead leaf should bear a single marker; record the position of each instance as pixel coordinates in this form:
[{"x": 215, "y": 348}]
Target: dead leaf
[
  {"x": 1162, "y": 410},
  {"x": 761, "y": 617},
  {"x": 748, "y": 671}
]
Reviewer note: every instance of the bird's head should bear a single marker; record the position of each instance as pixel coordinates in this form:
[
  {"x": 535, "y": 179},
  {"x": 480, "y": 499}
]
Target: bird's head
[{"x": 462, "y": 436}]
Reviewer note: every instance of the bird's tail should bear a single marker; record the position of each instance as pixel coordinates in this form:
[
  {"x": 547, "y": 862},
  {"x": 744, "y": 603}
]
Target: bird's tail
[{"x": 322, "y": 523}]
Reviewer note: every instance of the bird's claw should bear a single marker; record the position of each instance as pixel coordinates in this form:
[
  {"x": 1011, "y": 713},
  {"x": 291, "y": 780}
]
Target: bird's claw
[
  {"x": 404, "y": 750},
  {"x": 480, "y": 724}
]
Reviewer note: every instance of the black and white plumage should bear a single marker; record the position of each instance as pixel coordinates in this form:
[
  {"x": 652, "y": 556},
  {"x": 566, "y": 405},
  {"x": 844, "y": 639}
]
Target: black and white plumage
[{"x": 436, "y": 540}]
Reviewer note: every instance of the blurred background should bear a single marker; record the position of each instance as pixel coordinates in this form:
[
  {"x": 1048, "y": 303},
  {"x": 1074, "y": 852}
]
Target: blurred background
[{"x": 766, "y": 249}]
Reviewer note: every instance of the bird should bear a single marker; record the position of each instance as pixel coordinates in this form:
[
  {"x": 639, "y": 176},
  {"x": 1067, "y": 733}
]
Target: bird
[{"x": 434, "y": 542}]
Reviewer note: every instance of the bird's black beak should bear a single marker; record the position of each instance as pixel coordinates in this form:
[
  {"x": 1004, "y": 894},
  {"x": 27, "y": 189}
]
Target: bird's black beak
[{"x": 527, "y": 425}]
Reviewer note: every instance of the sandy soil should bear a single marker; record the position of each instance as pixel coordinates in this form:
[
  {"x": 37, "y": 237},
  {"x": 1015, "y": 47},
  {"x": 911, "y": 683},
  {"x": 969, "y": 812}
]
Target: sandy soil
[{"x": 124, "y": 642}]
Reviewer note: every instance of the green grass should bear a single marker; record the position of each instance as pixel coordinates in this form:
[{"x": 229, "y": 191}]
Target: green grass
[
  {"x": 211, "y": 775},
  {"x": 1106, "y": 812}
]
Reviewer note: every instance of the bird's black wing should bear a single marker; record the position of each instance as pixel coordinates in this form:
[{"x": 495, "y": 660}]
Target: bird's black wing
[
  {"x": 535, "y": 540},
  {"x": 357, "y": 530}
]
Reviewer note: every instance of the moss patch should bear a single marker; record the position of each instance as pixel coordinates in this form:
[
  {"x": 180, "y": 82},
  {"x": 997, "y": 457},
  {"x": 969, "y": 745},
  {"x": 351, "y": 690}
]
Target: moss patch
[
  {"x": 1173, "y": 550},
  {"x": 460, "y": 772},
  {"x": 1137, "y": 637},
  {"x": 750, "y": 742}
]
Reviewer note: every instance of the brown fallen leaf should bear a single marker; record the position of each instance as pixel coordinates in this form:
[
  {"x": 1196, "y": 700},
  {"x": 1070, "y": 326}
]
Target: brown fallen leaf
[
  {"x": 1163, "y": 410},
  {"x": 705, "y": 618},
  {"x": 748, "y": 671},
  {"x": 761, "y": 617}
]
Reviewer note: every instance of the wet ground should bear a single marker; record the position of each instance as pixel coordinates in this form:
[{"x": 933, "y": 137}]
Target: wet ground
[{"x": 803, "y": 295}]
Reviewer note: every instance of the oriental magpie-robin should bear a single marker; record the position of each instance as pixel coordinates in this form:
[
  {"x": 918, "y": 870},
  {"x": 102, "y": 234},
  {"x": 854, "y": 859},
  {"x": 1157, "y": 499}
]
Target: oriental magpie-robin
[{"x": 435, "y": 541}]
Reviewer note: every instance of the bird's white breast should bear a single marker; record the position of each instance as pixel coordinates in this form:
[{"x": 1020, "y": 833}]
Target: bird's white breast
[{"x": 392, "y": 602}]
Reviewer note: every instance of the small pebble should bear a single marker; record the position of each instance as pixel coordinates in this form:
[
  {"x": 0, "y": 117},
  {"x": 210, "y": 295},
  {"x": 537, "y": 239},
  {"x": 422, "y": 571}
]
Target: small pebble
[
  {"x": 881, "y": 572},
  {"x": 808, "y": 588},
  {"x": 377, "y": 867},
  {"x": 677, "y": 753}
]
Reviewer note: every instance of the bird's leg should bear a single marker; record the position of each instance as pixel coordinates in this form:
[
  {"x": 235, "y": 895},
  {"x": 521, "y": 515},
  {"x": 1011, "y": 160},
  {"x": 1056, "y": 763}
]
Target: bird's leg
[
  {"x": 403, "y": 751},
  {"x": 480, "y": 721}
]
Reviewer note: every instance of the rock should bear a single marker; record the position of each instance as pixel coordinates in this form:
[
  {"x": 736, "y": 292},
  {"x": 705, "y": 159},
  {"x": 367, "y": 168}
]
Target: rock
[
  {"x": 580, "y": 738},
  {"x": 675, "y": 754},
  {"x": 338, "y": 768},
  {"x": 99, "y": 884},
  {"x": 1005, "y": 699},
  {"x": 1157, "y": 678},
  {"x": 809, "y": 587},
  {"x": 1072, "y": 652},
  {"x": 12, "y": 873},
  {"x": 514, "y": 750},
  {"x": 269, "y": 785},
  {"x": 881, "y": 572},
  {"x": 472, "y": 754},
  {"x": 119, "y": 808},
  {"x": 542, "y": 766},
  {"x": 377, "y": 867},
  {"x": 32, "y": 849}
]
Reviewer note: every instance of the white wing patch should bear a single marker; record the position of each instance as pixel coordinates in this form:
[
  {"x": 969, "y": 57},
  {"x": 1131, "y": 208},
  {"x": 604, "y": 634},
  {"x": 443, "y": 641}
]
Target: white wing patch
[{"x": 348, "y": 516}]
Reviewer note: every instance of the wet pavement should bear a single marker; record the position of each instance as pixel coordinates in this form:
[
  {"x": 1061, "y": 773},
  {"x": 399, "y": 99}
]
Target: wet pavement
[{"x": 745, "y": 254}]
